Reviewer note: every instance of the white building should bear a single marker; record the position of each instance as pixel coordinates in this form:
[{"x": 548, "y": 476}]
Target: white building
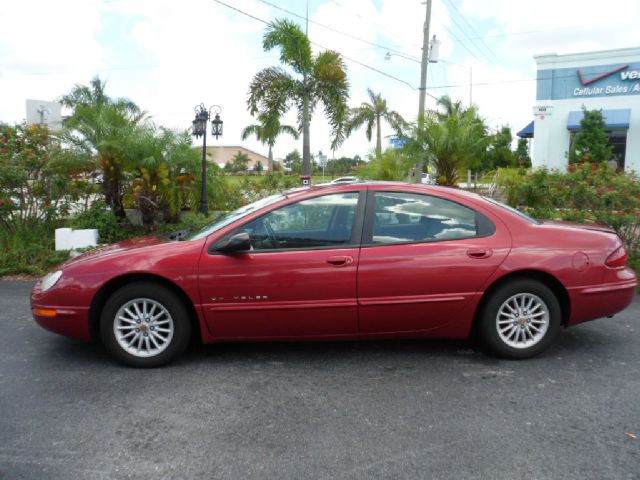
[{"x": 607, "y": 80}]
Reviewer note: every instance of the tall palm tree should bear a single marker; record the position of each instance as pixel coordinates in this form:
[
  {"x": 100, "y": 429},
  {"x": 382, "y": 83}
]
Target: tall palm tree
[
  {"x": 372, "y": 113},
  {"x": 101, "y": 126},
  {"x": 267, "y": 131},
  {"x": 311, "y": 79}
]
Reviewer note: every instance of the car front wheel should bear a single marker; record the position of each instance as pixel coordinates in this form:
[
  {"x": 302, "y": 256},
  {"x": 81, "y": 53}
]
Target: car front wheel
[
  {"x": 144, "y": 325},
  {"x": 520, "y": 319}
]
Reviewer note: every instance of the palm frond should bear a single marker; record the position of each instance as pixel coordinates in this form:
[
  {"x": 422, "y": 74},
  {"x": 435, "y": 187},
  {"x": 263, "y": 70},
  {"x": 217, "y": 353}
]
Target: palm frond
[
  {"x": 358, "y": 116},
  {"x": 329, "y": 67},
  {"x": 289, "y": 130},
  {"x": 294, "y": 45},
  {"x": 252, "y": 130},
  {"x": 271, "y": 90}
]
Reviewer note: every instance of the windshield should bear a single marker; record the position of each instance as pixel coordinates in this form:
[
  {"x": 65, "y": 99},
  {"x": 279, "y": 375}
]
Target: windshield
[
  {"x": 513, "y": 210},
  {"x": 233, "y": 216}
]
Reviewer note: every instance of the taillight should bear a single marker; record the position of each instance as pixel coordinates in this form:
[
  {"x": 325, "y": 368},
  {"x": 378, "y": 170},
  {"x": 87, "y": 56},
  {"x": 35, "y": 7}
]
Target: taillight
[{"x": 618, "y": 258}]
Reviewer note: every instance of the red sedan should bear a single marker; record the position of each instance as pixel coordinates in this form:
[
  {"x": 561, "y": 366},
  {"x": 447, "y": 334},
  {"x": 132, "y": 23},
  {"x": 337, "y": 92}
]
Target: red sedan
[{"x": 351, "y": 261}]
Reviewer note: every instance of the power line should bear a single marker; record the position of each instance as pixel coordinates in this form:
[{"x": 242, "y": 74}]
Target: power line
[
  {"x": 509, "y": 34},
  {"x": 377, "y": 25},
  {"x": 323, "y": 47},
  {"x": 463, "y": 44},
  {"x": 450, "y": 2},
  {"x": 334, "y": 30}
]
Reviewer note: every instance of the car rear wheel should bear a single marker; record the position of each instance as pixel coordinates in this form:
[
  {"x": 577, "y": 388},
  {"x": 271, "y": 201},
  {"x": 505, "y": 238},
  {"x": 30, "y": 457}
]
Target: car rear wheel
[
  {"x": 145, "y": 325},
  {"x": 520, "y": 319}
]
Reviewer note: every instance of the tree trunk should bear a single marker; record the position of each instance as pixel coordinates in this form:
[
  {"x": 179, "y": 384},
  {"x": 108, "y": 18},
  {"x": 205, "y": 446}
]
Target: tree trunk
[
  {"x": 306, "y": 140},
  {"x": 270, "y": 164},
  {"x": 111, "y": 184},
  {"x": 378, "y": 137}
]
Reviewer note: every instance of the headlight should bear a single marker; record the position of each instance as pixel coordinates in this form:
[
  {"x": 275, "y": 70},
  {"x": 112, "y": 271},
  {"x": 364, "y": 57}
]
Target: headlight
[{"x": 50, "y": 279}]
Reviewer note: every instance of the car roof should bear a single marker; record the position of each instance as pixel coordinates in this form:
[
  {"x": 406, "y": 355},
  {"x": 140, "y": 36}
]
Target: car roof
[{"x": 380, "y": 183}]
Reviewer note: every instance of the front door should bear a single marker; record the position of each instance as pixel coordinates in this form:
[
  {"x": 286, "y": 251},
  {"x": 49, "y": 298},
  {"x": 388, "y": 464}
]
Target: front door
[
  {"x": 423, "y": 258},
  {"x": 299, "y": 279}
]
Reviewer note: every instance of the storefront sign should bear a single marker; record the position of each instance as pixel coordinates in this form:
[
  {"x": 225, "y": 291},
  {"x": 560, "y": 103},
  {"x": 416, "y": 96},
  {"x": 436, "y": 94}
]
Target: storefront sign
[{"x": 596, "y": 81}]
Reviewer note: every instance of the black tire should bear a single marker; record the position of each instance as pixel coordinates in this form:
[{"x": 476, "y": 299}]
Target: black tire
[
  {"x": 165, "y": 298},
  {"x": 488, "y": 322}
]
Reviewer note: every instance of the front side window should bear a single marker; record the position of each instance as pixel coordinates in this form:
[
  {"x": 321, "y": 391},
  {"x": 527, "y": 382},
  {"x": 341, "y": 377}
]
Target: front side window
[
  {"x": 325, "y": 221},
  {"x": 231, "y": 217},
  {"x": 409, "y": 217}
]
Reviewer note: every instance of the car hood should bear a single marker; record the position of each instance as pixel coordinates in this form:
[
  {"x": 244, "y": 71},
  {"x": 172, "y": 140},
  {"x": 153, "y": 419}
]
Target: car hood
[
  {"x": 581, "y": 226},
  {"x": 114, "y": 249}
]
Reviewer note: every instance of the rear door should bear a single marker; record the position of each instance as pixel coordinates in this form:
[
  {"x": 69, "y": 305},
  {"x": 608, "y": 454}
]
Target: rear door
[
  {"x": 299, "y": 279},
  {"x": 423, "y": 257}
]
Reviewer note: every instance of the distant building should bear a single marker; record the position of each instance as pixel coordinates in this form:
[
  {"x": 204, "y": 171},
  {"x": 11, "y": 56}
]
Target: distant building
[
  {"x": 224, "y": 154},
  {"x": 607, "y": 80}
]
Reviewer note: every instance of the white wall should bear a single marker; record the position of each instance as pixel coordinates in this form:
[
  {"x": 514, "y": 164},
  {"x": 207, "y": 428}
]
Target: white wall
[{"x": 551, "y": 137}]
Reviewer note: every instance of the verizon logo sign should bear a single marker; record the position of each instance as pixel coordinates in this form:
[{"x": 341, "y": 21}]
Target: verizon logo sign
[{"x": 630, "y": 75}]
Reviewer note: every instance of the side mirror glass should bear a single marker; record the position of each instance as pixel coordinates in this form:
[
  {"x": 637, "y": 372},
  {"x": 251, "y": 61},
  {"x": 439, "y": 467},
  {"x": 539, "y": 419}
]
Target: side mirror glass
[{"x": 238, "y": 243}]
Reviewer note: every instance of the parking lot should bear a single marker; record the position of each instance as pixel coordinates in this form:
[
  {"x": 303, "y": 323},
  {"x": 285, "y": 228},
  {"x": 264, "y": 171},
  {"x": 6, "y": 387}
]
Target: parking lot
[{"x": 409, "y": 409}]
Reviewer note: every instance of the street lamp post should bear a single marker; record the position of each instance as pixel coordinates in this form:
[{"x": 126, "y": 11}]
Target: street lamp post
[{"x": 200, "y": 130}]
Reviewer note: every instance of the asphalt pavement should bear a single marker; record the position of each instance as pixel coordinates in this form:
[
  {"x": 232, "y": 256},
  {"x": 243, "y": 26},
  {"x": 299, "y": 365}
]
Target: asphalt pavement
[{"x": 402, "y": 409}]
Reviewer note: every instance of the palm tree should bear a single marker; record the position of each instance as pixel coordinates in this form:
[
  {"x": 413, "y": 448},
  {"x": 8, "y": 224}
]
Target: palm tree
[
  {"x": 451, "y": 141},
  {"x": 267, "y": 131},
  {"x": 101, "y": 125},
  {"x": 370, "y": 114},
  {"x": 314, "y": 79},
  {"x": 164, "y": 168},
  {"x": 449, "y": 107}
]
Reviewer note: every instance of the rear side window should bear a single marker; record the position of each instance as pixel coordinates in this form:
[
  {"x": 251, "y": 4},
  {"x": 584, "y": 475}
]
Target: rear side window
[{"x": 412, "y": 218}]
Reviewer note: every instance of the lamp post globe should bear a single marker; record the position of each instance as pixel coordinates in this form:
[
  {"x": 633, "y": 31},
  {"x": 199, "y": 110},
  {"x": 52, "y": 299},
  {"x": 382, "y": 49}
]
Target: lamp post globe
[
  {"x": 199, "y": 129},
  {"x": 216, "y": 126}
]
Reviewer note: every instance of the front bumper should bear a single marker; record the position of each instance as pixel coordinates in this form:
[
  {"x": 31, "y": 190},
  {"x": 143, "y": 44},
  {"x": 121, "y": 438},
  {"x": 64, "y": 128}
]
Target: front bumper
[{"x": 70, "y": 321}]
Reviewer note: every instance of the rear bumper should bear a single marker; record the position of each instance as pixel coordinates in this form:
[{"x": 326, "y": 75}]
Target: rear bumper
[{"x": 604, "y": 300}]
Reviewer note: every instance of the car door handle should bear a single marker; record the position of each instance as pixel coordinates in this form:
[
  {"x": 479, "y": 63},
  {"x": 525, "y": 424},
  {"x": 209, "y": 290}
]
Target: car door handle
[
  {"x": 340, "y": 260},
  {"x": 479, "y": 253}
]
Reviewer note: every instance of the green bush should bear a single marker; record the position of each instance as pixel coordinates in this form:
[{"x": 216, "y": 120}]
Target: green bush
[
  {"x": 111, "y": 228},
  {"x": 29, "y": 249},
  {"x": 586, "y": 193},
  {"x": 188, "y": 221}
]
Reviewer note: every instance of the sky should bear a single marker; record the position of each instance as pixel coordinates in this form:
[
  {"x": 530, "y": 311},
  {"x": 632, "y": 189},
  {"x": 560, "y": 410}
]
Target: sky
[{"x": 170, "y": 56}]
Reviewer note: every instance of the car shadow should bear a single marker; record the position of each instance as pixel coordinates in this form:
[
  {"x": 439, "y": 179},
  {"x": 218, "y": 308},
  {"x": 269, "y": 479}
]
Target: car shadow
[{"x": 578, "y": 341}]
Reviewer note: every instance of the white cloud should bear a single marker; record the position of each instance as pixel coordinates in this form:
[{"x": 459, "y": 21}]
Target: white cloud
[
  {"x": 43, "y": 46},
  {"x": 199, "y": 51}
]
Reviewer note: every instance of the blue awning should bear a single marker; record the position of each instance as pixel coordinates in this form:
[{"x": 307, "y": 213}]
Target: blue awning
[
  {"x": 526, "y": 132},
  {"x": 614, "y": 119}
]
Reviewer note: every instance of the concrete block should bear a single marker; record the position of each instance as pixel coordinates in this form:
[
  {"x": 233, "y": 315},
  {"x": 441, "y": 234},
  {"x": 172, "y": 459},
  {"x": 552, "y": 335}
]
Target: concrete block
[{"x": 68, "y": 239}]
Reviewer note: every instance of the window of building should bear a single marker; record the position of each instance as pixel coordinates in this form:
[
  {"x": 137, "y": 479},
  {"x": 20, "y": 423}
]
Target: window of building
[{"x": 617, "y": 140}]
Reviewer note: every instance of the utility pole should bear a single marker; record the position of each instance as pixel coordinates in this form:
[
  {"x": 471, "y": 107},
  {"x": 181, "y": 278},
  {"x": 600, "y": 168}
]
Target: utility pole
[
  {"x": 425, "y": 62},
  {"x": 423, "y": 84}
]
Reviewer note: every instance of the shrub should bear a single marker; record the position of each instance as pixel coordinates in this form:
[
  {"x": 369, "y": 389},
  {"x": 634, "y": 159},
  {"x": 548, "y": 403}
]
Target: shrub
[
  {"x": 29, "y": 249},
  {"x": 586, "y": 193},
  {"x": 111, "y": 228}
]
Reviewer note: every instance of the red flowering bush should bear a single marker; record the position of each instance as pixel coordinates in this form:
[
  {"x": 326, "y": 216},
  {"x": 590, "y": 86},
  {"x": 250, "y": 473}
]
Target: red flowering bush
[{"x": 38, "y": 177}]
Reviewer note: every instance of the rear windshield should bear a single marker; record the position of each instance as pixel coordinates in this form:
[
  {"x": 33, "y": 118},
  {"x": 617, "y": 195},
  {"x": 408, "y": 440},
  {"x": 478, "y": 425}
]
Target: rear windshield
[{"x": 513, "y": 210}]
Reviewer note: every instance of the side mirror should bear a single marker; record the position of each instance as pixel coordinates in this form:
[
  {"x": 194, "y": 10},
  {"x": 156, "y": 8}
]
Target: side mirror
[{"x": 238, "y": 243}]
